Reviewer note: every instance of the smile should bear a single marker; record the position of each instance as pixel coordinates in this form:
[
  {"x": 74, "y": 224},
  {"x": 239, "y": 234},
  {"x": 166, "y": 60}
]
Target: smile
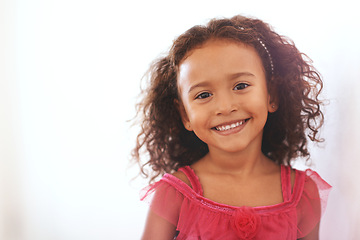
[{"x": 227, "y": 127}]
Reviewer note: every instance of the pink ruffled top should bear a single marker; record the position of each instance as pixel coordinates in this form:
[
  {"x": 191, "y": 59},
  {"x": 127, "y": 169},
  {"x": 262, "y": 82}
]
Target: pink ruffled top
[{"x": 197, "y": 217}]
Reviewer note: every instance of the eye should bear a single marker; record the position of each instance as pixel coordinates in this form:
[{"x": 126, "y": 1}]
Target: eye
[
  {"x": 203, "y": 95},
  {"x": 241, "y": 86}
]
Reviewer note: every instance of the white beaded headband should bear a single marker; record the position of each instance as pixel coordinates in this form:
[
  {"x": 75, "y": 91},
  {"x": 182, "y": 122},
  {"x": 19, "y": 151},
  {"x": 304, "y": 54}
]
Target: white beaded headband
[{"x": 266, "y": 50}]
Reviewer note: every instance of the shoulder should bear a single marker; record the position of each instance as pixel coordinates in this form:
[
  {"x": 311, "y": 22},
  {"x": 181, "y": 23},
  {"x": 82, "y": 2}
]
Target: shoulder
[
  {"x": 181, "y": 176},
  {"x": 312, "y": 203},
  {"x": 169, "y": 184},
  {"x": 313, "y": 193},
  {"x": 316, "y": 185},
  {"x": 311, "y": 181}
]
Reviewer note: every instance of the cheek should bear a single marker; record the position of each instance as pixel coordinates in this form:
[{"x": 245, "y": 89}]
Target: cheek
[
  {"x": 258, "y": 107},
  {"x": 197, "y": 114},
  {"x": 193, "y": 113}
]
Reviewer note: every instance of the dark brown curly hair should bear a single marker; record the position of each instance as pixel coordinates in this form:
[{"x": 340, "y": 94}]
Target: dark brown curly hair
[{"x": 167, "y": 145}]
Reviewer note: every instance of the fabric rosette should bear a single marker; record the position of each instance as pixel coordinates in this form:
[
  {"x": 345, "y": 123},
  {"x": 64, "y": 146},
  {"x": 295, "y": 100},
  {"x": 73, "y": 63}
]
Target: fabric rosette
[{"x": 246, "y": 223}]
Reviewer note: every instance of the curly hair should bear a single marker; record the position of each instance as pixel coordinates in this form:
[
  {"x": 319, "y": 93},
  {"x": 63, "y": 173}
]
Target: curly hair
[{"x": 289, "y": 75}]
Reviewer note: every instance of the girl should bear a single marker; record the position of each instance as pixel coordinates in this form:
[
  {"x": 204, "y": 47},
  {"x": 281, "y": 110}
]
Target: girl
[{"x": 226, "y": 112}]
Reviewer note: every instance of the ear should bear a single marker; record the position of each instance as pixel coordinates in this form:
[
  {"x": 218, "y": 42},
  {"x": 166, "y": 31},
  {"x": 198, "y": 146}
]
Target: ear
[
  {"x": 273, "y": 104},
  {"x": 184, "y": 117}
]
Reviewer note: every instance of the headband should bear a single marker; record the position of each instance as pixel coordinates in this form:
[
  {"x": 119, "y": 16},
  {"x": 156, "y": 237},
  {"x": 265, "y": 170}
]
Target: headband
[{"x": 266, "y": 50}]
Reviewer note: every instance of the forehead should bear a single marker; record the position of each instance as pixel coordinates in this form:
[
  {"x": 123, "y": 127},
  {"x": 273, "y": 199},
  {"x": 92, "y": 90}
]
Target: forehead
[{"x": 217, "y": 59}]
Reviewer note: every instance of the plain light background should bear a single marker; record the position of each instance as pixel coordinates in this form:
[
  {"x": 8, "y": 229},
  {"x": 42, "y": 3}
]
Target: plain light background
[{"x": 70, "y": 74}]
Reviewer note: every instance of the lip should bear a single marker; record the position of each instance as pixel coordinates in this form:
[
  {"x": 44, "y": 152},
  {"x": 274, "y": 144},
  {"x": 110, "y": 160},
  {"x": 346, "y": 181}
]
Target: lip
[{"x": 232, "y": 127}]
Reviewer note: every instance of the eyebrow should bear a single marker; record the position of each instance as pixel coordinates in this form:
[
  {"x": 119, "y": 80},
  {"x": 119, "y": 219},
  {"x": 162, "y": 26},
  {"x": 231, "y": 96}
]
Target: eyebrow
[
  {"x": 230, "y": 77},
  {"x": 201, "y": 84},
  {"x": 240, "y": 74}
]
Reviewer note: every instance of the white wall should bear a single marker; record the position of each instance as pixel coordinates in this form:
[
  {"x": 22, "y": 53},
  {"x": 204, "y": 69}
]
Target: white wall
[{"x": 70, "y": 74}]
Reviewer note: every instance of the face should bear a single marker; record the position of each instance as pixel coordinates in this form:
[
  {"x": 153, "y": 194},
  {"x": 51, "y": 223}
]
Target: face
[{"x": 224, "y": 96}]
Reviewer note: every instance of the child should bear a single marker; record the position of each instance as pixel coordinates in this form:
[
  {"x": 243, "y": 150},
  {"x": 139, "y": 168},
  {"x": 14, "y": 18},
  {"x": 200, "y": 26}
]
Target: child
[{"x": 227, "y": 111}]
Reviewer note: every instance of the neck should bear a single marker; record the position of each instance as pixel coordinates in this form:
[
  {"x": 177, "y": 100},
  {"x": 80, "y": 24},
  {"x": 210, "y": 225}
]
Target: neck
[{"x": 239, "y": 163}]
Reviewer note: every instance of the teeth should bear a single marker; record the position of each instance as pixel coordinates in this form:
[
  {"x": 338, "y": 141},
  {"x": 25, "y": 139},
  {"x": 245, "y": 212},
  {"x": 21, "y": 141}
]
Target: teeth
[{"x": 228, "y": 127}]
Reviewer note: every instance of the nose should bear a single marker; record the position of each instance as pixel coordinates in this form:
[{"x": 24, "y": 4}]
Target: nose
[{"x": 225, "y": 104}]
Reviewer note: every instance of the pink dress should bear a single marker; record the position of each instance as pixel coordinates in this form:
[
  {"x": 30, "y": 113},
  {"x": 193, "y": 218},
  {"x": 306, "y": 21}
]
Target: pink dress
[{"x": 197, "y": 217}]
